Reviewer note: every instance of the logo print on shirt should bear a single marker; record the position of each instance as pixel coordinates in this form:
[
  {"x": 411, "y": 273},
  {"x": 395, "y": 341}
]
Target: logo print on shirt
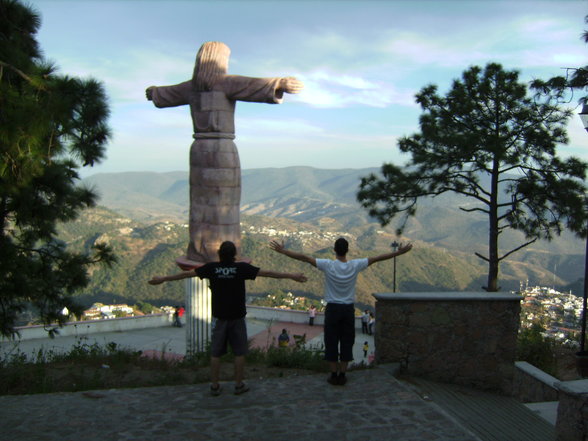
[{"x": 225, "y": 272}]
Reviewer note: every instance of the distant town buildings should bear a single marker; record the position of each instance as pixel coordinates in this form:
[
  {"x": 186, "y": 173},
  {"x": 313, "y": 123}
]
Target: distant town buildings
[
  {"x": 302, "y": 235},
  {"x": 285, "y": 300},
  {"x": 559, "y": 313},
  {"x": 99, "y": 311}
]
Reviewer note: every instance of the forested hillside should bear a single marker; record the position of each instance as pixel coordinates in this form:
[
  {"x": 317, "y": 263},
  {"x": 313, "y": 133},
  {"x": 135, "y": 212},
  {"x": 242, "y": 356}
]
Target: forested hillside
[
  {"x": 324, "y": 198},
  {"x": 145, "y": 250}
]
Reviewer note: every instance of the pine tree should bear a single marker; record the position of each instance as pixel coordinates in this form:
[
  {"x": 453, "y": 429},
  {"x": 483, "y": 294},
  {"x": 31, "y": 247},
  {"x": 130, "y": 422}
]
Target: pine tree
[
  {"x": 487, "y": 140},
  {"x": 51, "y": 125}
]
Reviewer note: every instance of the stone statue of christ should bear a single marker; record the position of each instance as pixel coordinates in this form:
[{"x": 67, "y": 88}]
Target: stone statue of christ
[{"x": 215, "y": 171}]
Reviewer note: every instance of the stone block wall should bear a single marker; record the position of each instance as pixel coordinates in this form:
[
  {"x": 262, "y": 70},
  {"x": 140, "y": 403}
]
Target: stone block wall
[
  {"x": 461, "y": 338},
  {"x": 572, "y": 411},
  {"x": 532, "y": 385}
]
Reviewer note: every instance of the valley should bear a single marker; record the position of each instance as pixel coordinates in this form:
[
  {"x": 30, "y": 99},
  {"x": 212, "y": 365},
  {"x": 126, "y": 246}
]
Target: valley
[{"x": 143, "y": 218}]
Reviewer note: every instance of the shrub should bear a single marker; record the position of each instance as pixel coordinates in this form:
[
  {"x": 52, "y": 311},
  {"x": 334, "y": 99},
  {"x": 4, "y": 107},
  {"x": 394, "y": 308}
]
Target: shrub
[{"x": 537, "y": 349}]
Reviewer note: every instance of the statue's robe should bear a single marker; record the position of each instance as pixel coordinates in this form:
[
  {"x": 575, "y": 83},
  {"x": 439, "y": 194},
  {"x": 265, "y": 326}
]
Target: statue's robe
[{"x": 215, "y": 170}]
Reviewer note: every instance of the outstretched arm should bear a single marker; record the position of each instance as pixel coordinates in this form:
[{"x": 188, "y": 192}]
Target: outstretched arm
[
  {"x": 156, "y": 280},
  {"x": 403, "y": 249},
  {"x": 298, "y": 277},
  {"x": 280, "y": 248},
  {"x": 169, "y": 96}
]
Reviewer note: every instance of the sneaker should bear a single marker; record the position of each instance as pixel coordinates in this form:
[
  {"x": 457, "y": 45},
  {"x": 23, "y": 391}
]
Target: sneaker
[
  {"x": 241, "y": 389},
  {"x": 333, "y": 379},
  {"x": 215, "y": 391},
  {"x": 342, "y": 379}
]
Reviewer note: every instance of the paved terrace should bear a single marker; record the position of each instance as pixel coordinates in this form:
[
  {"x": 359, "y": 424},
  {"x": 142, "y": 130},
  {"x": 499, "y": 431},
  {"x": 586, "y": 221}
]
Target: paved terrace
[{"x": 373, "y": 405}]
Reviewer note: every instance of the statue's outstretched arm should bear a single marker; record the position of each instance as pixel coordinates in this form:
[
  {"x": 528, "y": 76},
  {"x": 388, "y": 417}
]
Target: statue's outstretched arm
[
  {"x": 258, "y": 90},
  {"x": 169, "y": 96}
]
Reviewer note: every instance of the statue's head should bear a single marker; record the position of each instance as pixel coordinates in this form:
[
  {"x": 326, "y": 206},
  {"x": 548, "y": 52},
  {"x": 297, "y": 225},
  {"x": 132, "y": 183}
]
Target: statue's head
[{"x": 212, "y": 61}]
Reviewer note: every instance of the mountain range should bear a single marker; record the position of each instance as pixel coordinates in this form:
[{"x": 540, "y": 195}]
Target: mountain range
[{"x": 146, "y": 214}]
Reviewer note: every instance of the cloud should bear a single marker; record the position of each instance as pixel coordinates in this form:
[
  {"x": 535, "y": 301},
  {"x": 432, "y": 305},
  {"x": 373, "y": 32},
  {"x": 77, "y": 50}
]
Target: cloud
[
  {"x": 250, "y": 128},
  {"x": 361, "y": 61},
  {"x": 367, "y": 69},
  {"x": 528, "y": 40},
  {"x": 128, "y": 74},
  {"x": 326, "y": 89},
  {"x": 328, "y": 150}
]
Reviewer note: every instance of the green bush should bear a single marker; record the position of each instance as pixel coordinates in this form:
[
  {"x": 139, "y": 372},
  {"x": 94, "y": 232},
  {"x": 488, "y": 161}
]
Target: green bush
[
  {"x": 144, "y": 307},
  {"x": 297, "y": 357},
  {"x": 537, "y": 349}
]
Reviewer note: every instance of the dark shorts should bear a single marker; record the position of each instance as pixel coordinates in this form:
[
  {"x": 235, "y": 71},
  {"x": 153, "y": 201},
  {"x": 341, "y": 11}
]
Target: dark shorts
[
  {"x": 233, "y": 332},
  {"x": 339, "y": 332}
]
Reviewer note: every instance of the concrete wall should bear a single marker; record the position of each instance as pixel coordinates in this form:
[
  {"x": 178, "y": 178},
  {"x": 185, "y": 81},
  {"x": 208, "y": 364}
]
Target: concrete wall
[
  {"x": 157, "y": 320},
  {"x": 532, "y": 385},
  {"x": 572, "y": 412},
  {"x": 94, "y": 326},
  {"x": 460, "y": 338},
  {"x": 282, "y": 315},
  {"x": 287, "y": 315}
]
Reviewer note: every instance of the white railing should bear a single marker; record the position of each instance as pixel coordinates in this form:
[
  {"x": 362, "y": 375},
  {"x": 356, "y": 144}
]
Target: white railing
[
  {"x": 94, "y": 326},
  {"x": 288, "y": 315},
  {"x": 159, "y": 320}
]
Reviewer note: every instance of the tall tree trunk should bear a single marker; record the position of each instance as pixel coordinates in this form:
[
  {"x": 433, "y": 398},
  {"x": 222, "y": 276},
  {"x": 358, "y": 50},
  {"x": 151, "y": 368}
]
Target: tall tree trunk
[
  {"x": 3, "y": 215},
  {"x": 492, "y": 285}
]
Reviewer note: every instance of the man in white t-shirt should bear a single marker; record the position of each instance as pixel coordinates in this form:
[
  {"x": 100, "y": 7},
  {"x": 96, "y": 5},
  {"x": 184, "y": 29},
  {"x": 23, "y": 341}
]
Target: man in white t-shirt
[{"x": 340, "y": 278}]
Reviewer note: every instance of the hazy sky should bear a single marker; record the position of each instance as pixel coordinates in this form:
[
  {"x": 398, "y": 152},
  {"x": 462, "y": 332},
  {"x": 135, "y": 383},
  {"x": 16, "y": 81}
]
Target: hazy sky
[{"x": 361, "y": 61}]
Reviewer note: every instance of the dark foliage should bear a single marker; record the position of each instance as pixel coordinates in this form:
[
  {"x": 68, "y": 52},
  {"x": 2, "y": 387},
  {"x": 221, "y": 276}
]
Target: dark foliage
[{"x": 51, "y": 125}]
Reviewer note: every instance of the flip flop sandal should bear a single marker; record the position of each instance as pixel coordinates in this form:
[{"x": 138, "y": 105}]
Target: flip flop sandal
[
  {"x": 241, "y": 389},
  {"x": 215, "y": 391}
]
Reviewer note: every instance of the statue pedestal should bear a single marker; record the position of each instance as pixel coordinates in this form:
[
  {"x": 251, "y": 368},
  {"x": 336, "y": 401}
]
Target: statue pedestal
[{"x": 198, "y": 315}]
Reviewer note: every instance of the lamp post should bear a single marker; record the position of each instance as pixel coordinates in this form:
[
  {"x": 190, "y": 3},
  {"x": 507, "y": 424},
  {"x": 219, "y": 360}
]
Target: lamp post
[
  {"x": 585, "y": 299},
  {"x": 582, "y": 355},
  {"x": 394, "y": 246},
  {"x": 584, "y": 116}
]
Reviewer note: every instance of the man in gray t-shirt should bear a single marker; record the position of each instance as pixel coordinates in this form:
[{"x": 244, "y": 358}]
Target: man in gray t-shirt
[{"x": 340, "y": 279}]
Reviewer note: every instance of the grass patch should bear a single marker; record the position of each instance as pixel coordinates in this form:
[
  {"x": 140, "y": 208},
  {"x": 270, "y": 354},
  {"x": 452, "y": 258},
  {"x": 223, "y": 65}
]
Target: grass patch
[{"x": 94, "y": 366}]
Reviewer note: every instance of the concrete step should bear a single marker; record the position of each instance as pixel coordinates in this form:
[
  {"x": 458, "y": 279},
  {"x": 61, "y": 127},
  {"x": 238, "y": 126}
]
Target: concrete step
[
  {"x": 546, "y": 410},
  {"x": 489, "y": 416}
]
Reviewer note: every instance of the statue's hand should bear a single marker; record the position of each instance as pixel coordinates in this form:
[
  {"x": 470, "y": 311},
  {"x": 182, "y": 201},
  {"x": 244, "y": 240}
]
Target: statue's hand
[
  {"x": 291, "y": 85},
  {"x": 149, "y": 92}
]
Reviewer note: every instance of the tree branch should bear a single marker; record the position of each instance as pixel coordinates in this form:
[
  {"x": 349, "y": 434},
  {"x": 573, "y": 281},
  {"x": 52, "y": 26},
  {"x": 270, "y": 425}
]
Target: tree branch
[
  {"x": 470, "y": 210},
  {"x": 482, "y": 257},
  {"x": 516, "y": 249},
  {"x": 20, "y": 73}
]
